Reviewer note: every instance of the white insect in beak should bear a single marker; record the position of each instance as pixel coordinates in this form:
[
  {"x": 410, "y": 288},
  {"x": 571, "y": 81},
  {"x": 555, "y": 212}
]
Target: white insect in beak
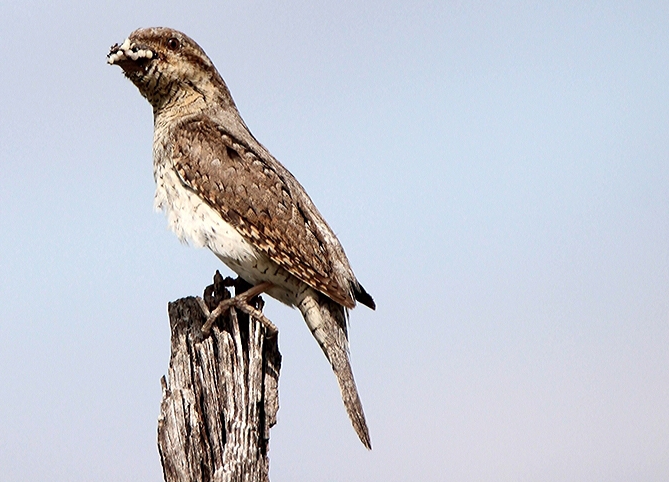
[{"x": 127, "y": 51}]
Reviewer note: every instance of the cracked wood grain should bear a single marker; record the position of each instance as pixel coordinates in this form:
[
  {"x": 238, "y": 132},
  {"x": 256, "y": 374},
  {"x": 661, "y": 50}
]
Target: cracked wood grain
[{"x": 220, "y": 396}]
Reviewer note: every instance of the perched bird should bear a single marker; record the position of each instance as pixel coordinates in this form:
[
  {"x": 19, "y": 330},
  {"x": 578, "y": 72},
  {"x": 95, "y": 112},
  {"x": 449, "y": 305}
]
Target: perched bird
[{"x": 222, "y": 189}]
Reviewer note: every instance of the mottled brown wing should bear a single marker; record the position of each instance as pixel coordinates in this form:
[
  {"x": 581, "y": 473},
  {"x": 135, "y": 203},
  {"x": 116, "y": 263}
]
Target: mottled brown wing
[{"x": 255, "y": 198}]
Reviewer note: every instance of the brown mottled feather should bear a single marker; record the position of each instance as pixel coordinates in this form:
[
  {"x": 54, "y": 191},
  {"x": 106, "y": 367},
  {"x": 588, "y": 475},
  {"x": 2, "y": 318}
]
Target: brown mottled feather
[{"x": 230, "y": 177}]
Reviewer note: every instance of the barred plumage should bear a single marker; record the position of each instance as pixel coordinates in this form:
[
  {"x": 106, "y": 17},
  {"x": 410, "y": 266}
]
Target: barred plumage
[{"x": 222, "y": 189}]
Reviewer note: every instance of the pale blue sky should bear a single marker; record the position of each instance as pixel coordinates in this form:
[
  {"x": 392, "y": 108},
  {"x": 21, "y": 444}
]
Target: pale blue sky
[{"x": 497, "y": 172}]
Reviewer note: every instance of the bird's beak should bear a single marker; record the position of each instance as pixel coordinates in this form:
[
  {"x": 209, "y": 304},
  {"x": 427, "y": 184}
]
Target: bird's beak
[{"x": 129, "y": 56}]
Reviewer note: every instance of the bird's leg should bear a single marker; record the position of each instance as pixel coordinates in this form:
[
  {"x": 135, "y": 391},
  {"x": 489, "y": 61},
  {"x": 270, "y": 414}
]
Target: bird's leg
[
  {"x": 272, "y": 330},
  {"x": 240, "y": 301}
]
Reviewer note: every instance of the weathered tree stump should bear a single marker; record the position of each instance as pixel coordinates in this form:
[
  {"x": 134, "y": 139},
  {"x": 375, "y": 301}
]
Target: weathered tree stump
[{"x": 220, "y": 397}]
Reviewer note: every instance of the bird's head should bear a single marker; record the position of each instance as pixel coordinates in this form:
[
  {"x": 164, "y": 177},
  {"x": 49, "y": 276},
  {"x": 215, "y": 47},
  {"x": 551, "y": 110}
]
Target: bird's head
[{"x": 166, "y": 65}]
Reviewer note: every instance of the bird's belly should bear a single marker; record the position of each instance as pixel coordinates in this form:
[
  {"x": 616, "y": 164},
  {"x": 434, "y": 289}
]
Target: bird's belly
[
  {"x": 196, "y": 222},
  {"x": 287, "y": 288}
]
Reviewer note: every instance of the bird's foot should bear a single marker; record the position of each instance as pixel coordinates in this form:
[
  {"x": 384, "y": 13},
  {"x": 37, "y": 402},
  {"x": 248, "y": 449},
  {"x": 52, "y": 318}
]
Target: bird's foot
[{"x": 241, "y": 302}]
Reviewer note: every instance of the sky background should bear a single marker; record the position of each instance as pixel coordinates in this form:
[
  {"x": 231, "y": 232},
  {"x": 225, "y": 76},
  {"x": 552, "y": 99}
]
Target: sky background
[{"x": 497, "y": 172}]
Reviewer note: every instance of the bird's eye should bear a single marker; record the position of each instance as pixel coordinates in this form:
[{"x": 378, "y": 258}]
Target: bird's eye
[{"x": 173, "y": 44}]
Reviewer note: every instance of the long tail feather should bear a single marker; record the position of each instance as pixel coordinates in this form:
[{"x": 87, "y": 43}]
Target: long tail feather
[{"x": 327, "y": 322}]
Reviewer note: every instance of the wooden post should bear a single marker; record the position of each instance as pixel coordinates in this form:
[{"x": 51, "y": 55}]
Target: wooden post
[{"x": 220, "y": 397}]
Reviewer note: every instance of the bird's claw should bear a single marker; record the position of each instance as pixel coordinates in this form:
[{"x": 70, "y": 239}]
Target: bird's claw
[{"x": 241, "y": 302}]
